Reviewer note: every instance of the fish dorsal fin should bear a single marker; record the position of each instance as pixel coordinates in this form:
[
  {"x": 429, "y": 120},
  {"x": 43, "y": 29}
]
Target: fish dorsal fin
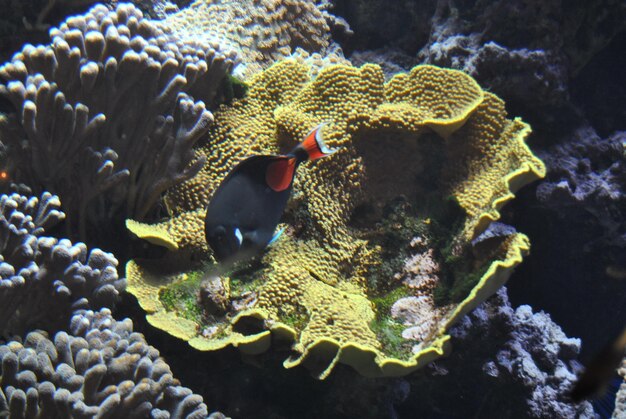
[{"x": 280, "y": 173}]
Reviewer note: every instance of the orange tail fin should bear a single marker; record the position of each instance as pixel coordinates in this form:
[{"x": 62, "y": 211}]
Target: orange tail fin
[{"x": 314, "y": 145}]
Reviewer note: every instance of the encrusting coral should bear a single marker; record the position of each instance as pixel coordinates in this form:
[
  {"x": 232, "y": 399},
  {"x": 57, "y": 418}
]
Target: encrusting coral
[
  {"x": 111, "y": 86},
  {"x": 101, "y": 369},
  {"x": 44, "y": 280},
  {"x": 261, "y": 31},
  {"x": 431, "y": 138}
]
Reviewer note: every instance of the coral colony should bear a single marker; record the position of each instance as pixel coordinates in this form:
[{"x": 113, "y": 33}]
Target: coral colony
[{"x": 333, "y": 305}]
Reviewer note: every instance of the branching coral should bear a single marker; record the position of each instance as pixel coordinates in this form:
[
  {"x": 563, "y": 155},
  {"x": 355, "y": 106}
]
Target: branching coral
[
  {"x": 107, "y": 114},
  {"x": 432, "y": 136},
  {"x": 102, "y": 369},
  {"x": 22, "y": 215},
  {"x": 44, "y": 280}
]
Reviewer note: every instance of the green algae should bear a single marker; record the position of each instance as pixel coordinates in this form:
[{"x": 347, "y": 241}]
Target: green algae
[
  {"x": 438, "y": 222},
  {"x": 461, "y": 277},
  {"x": 459, "y": 274},
  {"x": 383, "y": 303},
  {"x": 181, "y": 297},
  {"x": 233, "y": 88},
  {"x": 389, "y": 333},
  {"x": 296, "y": 319},
  {"x": 387, "y": 330},
  {"x": 244, "y": 278}
]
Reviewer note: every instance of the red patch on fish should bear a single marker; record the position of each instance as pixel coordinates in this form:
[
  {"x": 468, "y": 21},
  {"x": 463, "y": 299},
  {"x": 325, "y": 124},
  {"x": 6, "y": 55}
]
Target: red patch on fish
[{"x": 280, "y": 173}]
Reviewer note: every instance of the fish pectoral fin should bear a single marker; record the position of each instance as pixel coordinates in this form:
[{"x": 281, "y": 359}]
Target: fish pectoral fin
[
  {"x": 280, "y": 173},
  {"x": 277, "y": 235},
  {"x": 238, "y": 236}
]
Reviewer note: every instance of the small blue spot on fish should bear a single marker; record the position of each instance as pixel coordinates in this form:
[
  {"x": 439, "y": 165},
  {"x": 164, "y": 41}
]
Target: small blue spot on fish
[{"x": 277, "y": 235}]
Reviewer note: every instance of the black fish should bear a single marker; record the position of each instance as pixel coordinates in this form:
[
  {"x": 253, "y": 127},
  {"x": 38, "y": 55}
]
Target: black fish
[
  {"x": 599, "y": 371},
  {"x": 243, "y": 214}
]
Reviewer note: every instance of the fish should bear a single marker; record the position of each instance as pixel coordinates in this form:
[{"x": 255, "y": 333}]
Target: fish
[
  {"x": 598, "y": 373},
  {"x": 242, "y": 216}
]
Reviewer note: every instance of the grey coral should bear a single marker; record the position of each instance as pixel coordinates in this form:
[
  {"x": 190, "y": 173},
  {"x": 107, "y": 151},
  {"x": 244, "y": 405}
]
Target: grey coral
[
  {"x": 586, "y": 181},
  {"x": 101, "y": 369},
  {"x": 43, "y": 280},
  {"x": 538, "y": 357},
  {"x": 107, "y": 114},
  {"x": 508, "y": 360}
]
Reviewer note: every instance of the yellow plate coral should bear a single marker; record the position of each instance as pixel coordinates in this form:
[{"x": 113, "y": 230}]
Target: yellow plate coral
[{"x": 377, "y": 261}]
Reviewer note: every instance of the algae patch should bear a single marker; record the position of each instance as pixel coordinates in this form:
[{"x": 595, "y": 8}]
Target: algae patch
[
  {"x": 181, "y": 297},
  {"x": 387, "y": 330},
  {"x": 209, "y": 299},
  {"x": 296, "y": 319}
]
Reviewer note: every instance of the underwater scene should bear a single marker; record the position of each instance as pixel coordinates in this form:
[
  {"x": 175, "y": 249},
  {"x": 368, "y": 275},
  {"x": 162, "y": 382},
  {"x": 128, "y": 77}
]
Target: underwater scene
[{"x": 313, "y": 209}]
